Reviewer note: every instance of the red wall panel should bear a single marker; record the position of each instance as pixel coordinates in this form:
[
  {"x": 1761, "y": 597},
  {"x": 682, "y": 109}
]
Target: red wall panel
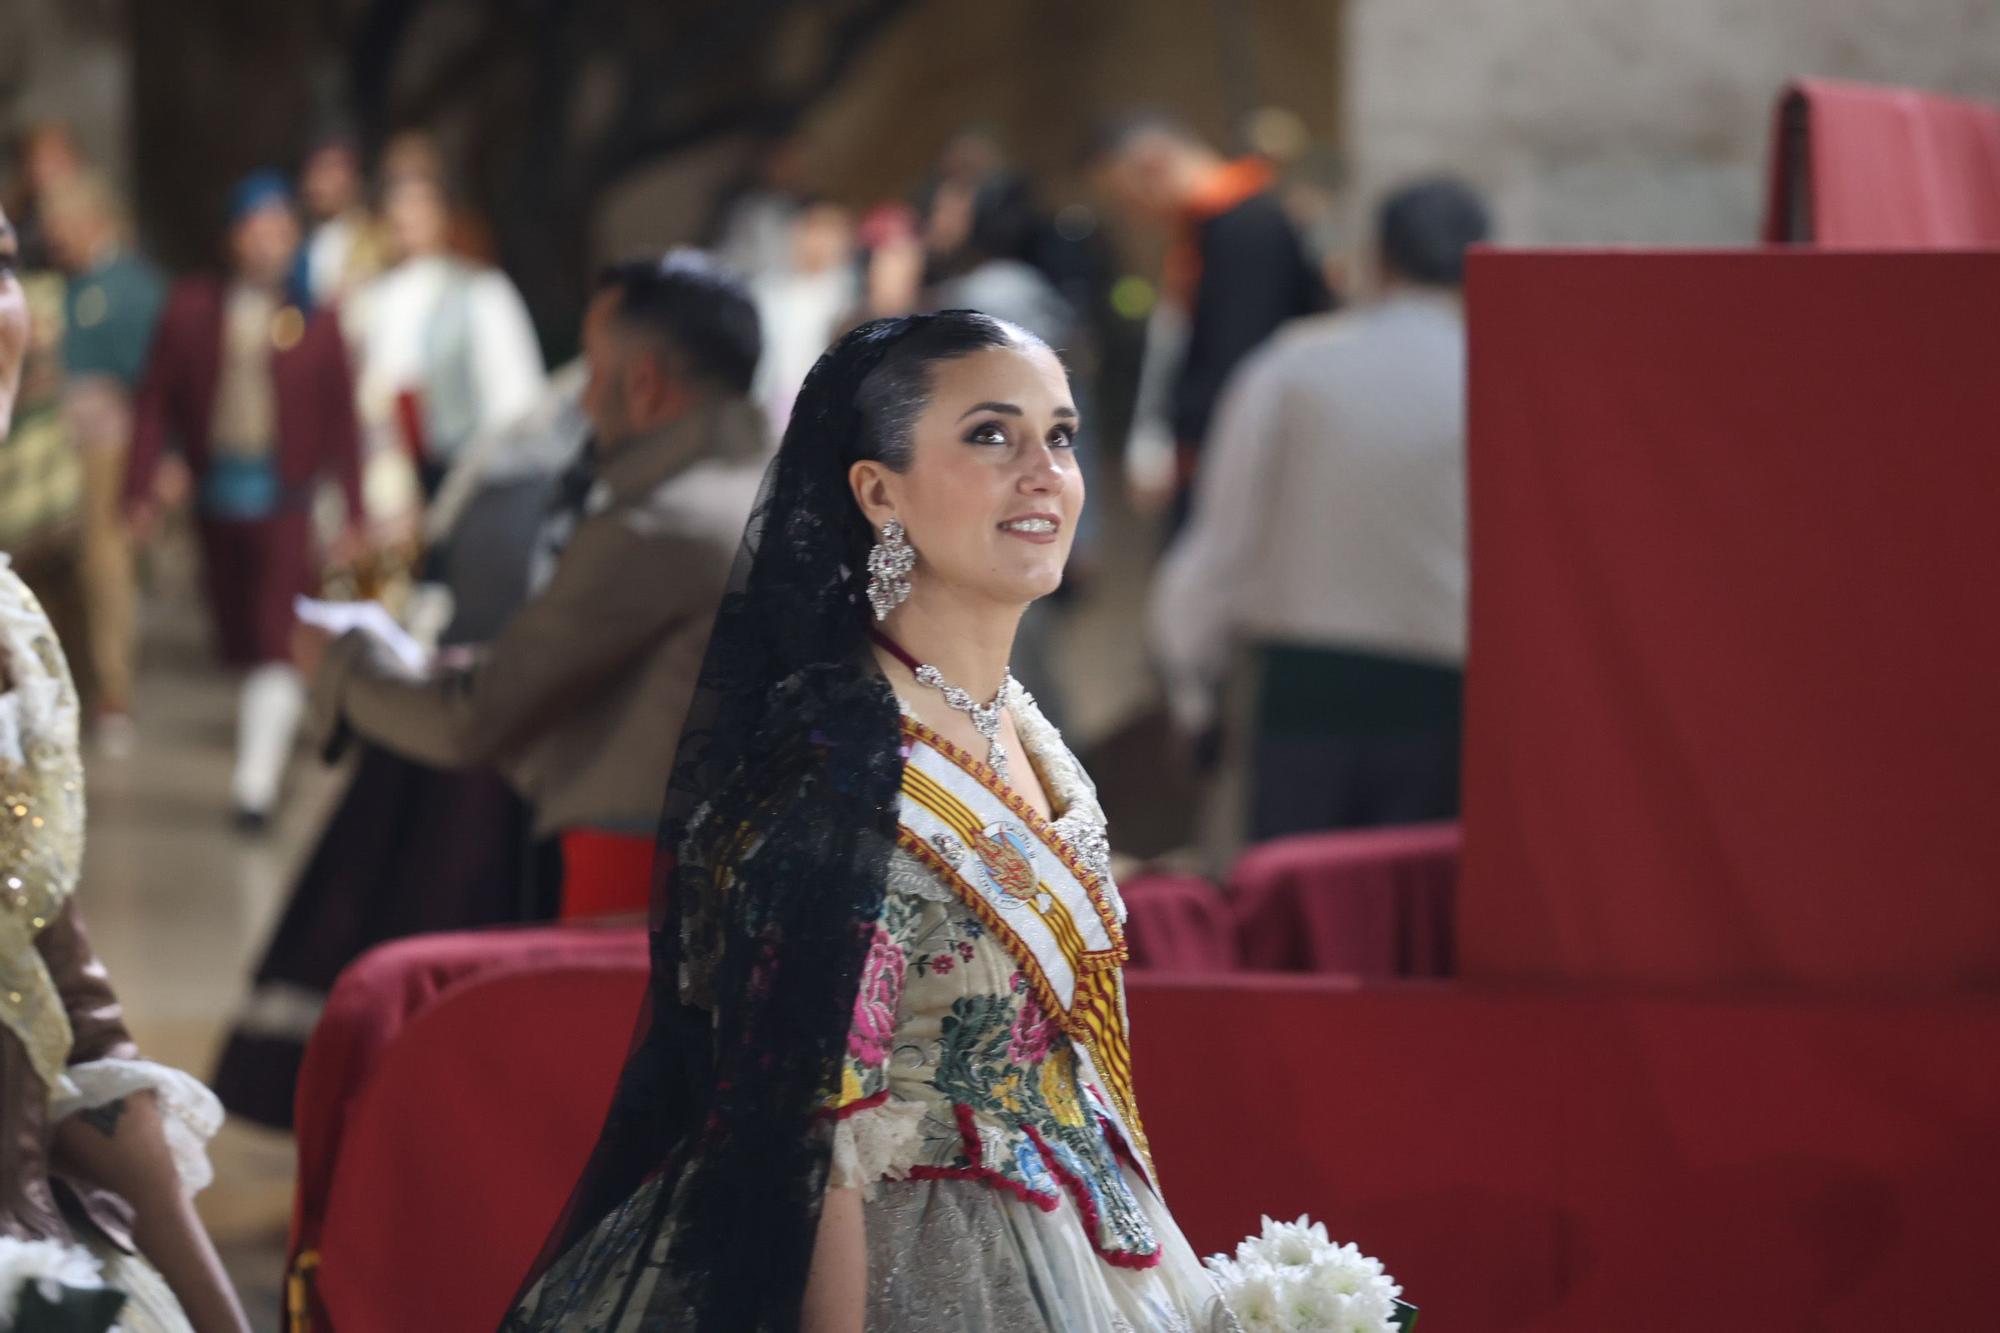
[{"x": 1732, "y": 715}]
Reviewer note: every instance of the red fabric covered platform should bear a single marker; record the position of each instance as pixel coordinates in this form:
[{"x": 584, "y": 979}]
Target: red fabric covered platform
[{"x": 1566, "y": 1163}]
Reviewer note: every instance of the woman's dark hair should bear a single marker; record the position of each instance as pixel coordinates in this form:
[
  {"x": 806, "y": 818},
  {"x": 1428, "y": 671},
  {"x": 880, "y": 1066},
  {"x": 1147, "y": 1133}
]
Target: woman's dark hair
[
  {"x": 1425, "y": 228},
  {"x": 694, "y": 305}
]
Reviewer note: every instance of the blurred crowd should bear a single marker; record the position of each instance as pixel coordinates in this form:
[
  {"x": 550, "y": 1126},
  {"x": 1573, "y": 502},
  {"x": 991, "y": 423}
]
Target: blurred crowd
[{"x": 358, "y": 408}]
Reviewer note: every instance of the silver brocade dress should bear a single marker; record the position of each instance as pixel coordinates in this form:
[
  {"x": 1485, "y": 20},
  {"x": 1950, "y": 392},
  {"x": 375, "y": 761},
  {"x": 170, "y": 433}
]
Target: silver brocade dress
[{"x": 1000, "y": 1194}]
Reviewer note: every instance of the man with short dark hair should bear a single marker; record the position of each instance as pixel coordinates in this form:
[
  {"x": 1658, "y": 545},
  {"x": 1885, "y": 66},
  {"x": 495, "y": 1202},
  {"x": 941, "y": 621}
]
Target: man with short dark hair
[
  {"x": 1235, "y": 270},
  {"x": 1328, "y": 540},
  {"x": 579, "y": 699}
]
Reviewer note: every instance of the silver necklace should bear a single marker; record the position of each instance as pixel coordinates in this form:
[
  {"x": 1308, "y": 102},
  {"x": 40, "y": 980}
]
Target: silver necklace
[{"x": 985, "y": 717}]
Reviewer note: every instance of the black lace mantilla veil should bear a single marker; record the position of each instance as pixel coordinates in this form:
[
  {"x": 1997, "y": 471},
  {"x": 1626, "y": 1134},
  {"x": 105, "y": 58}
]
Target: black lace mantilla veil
[{"x": 780, "y": 818}]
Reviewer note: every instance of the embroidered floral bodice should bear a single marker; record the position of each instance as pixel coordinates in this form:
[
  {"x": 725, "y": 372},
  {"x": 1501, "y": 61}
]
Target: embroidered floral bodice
[{"x": 955, "y": 1068}]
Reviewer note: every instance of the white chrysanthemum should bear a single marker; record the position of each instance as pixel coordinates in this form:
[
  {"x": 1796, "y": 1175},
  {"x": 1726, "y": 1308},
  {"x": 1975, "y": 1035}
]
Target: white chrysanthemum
[
  {"x": 1291, "y": 1277},
  {"x": 1346, "y": 1269},
  {"x": 1287, "y": 1244},
  {"x": 1310, "y": 1305},
  {"x": 1259, "y": 1305}
]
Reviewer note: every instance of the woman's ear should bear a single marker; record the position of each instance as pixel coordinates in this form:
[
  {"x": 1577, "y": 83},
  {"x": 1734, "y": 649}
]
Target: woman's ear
[{"x": 870, "y": 483}]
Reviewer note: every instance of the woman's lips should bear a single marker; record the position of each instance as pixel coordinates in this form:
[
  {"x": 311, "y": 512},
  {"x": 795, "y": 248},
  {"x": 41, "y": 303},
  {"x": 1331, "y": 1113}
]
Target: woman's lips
[{"x": 1038, "y": 528}]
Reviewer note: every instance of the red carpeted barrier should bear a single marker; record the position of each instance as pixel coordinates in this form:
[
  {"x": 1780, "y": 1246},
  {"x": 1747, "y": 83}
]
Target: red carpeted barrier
[
  {"x": 1180, "y": 924},
  {"x": 1855, "y": 165},
  {"x": 1549, "y": 1164},
  {"x": 1569, "y": 1163},
  {"x": 1730, "y": 712},
  {"x": 1375, "y": 903},
  {"x": 371, "y": 1004},
  {"x": 471, "y": 1134}
]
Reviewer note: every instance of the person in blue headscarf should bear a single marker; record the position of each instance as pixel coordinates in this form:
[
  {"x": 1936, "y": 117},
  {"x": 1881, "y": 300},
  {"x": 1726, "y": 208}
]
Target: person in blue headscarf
[{"x": 252, "y": 389}]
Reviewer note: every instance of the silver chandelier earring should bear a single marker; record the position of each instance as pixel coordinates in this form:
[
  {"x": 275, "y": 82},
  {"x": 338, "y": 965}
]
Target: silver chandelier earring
[{"x": 889, "y": 564}]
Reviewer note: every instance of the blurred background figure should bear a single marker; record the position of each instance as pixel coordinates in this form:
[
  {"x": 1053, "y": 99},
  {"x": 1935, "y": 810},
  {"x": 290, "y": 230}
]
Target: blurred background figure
[
  {"x": 892, "y": 245},
  {"x": 579, "y": 697},
  {"x": 806, "y": 301},
  {"x": 343, "y": 246},
  {"x": 1234, "y": 271},
  {"x": 253, "y": 393},
  {"x": 1326, "y": 551},
  {"x": 750, "y": 229},
  {"x": 14, "y": 323},
  {"x": 112, "y": 304},
  {"x": 446, "y": 349},
  {"x": 980, "y": 239},
  {"x": 41, "y": 475},
  {"x": 414, "y": 154},
  {"x": 49, "y": 158}
]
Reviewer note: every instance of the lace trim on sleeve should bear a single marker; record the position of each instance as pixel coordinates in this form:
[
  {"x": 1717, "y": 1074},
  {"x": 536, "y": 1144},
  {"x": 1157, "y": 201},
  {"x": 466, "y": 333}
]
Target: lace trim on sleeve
[{"x": 876, "y": 1143}]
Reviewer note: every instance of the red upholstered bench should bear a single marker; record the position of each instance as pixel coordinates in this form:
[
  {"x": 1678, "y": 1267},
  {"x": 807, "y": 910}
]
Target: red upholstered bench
[
  {"x": 381, "y": 994},
  {"x": 1179, "y": 924},
  {"x": 1374, "y": 903}
]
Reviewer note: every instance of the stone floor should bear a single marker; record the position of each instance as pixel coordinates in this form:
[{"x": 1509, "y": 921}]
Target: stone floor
[{"x": 179, "y": 904}]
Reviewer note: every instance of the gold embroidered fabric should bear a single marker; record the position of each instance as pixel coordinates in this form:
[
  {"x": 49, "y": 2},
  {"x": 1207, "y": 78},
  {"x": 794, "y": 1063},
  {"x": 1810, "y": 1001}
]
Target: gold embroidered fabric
[{"x": 41, "y": 821}]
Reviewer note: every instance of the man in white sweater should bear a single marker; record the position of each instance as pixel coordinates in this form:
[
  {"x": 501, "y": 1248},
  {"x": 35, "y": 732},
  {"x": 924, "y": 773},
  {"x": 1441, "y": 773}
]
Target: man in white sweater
[{"x": 1328, "y": 540}]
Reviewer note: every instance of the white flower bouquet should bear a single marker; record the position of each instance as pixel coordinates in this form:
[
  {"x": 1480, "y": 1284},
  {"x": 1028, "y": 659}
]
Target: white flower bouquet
[{"x": 1292, "y": 1279}]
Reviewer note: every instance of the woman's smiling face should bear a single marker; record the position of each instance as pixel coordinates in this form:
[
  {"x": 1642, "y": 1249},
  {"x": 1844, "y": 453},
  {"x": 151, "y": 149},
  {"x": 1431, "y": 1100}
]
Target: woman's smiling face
[{"x": 992, "y": 493}]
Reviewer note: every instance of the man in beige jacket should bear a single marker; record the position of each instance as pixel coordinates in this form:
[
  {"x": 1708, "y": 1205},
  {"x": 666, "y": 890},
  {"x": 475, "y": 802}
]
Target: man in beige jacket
[{"x": 580, "y": 698}]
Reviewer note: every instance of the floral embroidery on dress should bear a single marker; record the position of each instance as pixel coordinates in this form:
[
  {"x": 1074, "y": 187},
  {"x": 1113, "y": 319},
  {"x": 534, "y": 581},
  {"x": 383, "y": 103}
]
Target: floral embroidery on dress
[
  {"x": 1033, "y": 1030},
  {"x": 976, "y": 1081},
  {"x": 874, "y": 1027},
  {"x": 955, "y": 1069}
]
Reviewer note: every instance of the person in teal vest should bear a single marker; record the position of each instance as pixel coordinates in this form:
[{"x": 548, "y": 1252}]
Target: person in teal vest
[{"x": 110, "y": 308}]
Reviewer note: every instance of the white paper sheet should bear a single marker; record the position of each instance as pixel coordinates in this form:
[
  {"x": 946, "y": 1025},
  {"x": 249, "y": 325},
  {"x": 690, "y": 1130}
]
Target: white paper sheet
[{"x": 340, "y": 617}]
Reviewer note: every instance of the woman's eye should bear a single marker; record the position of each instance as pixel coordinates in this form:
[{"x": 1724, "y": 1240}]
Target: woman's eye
[
  {"x": 1062, "y": 437},
  {"x": 991, "y": 432}
]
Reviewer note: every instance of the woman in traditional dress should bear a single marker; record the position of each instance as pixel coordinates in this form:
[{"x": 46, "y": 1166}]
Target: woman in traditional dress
[
  {"x": 100, "y": 1151},
  {"x": 883, "y": 1082}
]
